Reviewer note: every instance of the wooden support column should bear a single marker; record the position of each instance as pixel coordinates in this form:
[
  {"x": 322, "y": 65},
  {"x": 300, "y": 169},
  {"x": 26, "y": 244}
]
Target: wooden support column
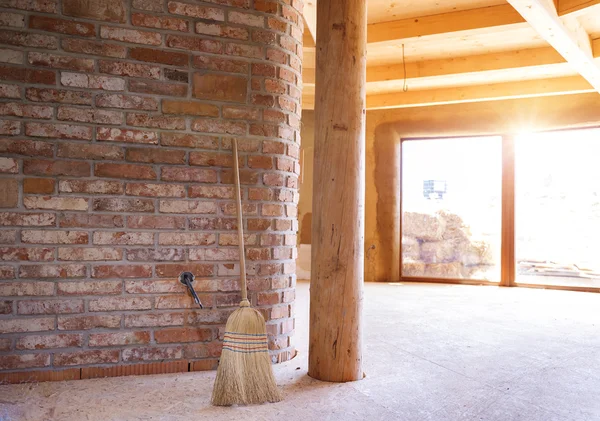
[
  {"x": 337, "y": 272},
  {"x": 507, "y": 275}
]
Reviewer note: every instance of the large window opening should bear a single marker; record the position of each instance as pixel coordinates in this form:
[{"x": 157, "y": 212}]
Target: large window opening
[
  {"x": 451, "y": 202},
  {"x": 521, "y": 210}
]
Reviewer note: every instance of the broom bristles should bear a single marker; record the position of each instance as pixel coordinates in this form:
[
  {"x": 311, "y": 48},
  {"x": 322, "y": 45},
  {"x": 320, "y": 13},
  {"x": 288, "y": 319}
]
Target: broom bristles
[{"x": 245, "y": 375}]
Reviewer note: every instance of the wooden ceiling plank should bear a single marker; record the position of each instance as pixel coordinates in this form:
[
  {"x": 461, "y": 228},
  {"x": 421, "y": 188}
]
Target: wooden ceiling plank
[
  {"x": 457, "y": 65},
  {"x": 464, "y": 20},
  {"x": 576, "y": 7},
  {"x": 568, "y": 38},
  {"x": 500, "y": 91}
]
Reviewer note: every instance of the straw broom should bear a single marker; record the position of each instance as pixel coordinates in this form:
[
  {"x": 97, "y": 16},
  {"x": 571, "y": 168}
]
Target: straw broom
[{"x": 245, "y": 374}]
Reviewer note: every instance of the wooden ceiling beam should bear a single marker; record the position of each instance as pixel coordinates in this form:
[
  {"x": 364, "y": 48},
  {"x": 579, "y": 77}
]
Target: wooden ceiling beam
[
  {"x": 483, "y": 18},
  {"x": 567, "y": 36},
  {"x": 576, "y": 7},
  {"x": 457, "y": 65},
  {"x": 477, "y": 93},
  {"x": 310, "y": 17}
]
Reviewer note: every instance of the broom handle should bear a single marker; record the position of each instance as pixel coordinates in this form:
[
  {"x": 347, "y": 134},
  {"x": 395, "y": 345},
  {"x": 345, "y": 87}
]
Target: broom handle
[{"x": 238, "y": 205}]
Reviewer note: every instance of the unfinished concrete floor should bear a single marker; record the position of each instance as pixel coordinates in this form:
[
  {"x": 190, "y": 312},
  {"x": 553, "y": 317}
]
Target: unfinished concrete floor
[{"x": 432, "y": 352}]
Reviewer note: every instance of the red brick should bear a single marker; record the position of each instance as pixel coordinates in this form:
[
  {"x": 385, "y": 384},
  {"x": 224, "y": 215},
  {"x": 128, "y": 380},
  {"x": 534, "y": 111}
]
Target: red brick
[
  {"x": 9, "y": 193},
  {"x": 94, "y": 48},
  {"x": 154, "y": 319},
  {"x": 287, "y": 75},
  {"x": 159, "y": 56},
  {"x": 58, "y": 131},
  {"x": 183, "y": 334},
  {"x": 155, "y": 190},
  {"x": 241, "y": 113},
  {"x": 152, "y": 354},
  {"x": 176, "y": 75},
  {"x": 286, "y": 104},
  {"x": 18, "y": 74},
  {"x": 122, "y": 271},
  {"x": 10, "y": 127},
  {"x": 27, "y": 147},
  {"x": 272, "y": 210},
  {"x": 50, "y": 24},
  {"x": 195, "y": 175},
  {"x": 126, "y": 136},
  {"x": 8, "y": 236},
  {"x": 156, "y": 121},
  {"x": 24, "y": 39},
  {"x": 154, "y": 287},
  {"x": 10, "y": 91},
  {"x": 123, "y": 238},
  {"x": 58, "y": 95},
  {"x": 246, "y": 177},
  {"x": 265, "y": 6},
  {"x": 88, "y": 322},
  {"x": 274, "y": 116},
  {"x": 54, "y": 168},
  {"x": 189, "y": 140},
  {"x": 259, "y": 224},
  {"x": 33, "y": 254},
  {"x": 120, "y": 304},
  {"x": 220, "y": 87},
  {"x": 56, "y": 61},
  {"x": 194, "y": 43},
  {"x": 29, "y": 324},
  {"x": 156, "y": 222},
  {"x": 172, "y": 270},
  {"x": 89, "y": 254},
  {"x": 14, "y": 109},
  {"x": 89, "y": 151},
  {"x": 213, "y": 224},
  {"x": 151, "y": 5},
  {"x": 244, "y": 50},
  {"x": 271, "y": 240},
  {"x": 264, "y": 100},
  {"x": 158, "y": 88},
  {"x": 204, "y": 351},
  {"x": 260, "y": 162},
  {"x": 196, "y": 11},
  {"x": 90, "y": 186},
  {"x": 220, "y": 64},
  {"x": 277, "y": 56},
  {"x": 6, "y": 307},
  {"x": 19, "y": 289},
  {"x": 47, "y": 6},
  {"x": 120, "y": 338},
  {"x": 261, "y": 69},
  {"x": 50, "y": 341},
  {"x": 12, "y": 362},
  {"x": 90, "y": 221},
  {"x": 50, "y": 307},
  {"x": 258, "y": 254},
  {"x": 53, "y": 237},
  {"x": 161, "y": 254},
  {"x": 130, "y": 35},
  {"x": 159, "y": 22},
  {"x": 126, "y": 101},
  {"x": 264, "y": 37},
  {"x": 211, "y": 192},
  {"x": 189, "y": 108},
  {"x": 212, "y": 159},
  {"x": 98, "y": 356},
  {"x": 184, "y": 206},
  {"x": 246, "y": 19},
  {"x": 87, "y": 115},
  {"x": 260, "y": 194},
  {"x": 107, "y": 10},
  {"x": 140, "y": 172},
  {"x": 27, "y": 219},
  {"x": 55, "y": 203},
  {"x": 214, "y": 254},
  {"x": 123, "y": 205},
  {"x": 219, "y": 126},
  {"x": 223, "y": 31},
  {"x": 129, "y": 69}
]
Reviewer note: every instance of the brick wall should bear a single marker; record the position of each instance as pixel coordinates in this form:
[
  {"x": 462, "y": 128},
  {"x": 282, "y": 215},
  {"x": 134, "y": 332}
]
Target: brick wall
[{"x": 116, "y": 120}]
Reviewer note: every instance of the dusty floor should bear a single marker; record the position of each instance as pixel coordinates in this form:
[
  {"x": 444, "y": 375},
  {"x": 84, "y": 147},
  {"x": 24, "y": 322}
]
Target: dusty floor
[{"x": 433, "y": 352}]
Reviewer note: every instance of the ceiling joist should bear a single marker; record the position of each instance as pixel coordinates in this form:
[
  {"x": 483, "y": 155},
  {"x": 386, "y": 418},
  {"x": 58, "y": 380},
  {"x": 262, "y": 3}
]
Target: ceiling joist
[
  {"x": 576, "y": 7},
  {"x": 568, "y": 37},
  {"x": 456, "y": 95}
]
